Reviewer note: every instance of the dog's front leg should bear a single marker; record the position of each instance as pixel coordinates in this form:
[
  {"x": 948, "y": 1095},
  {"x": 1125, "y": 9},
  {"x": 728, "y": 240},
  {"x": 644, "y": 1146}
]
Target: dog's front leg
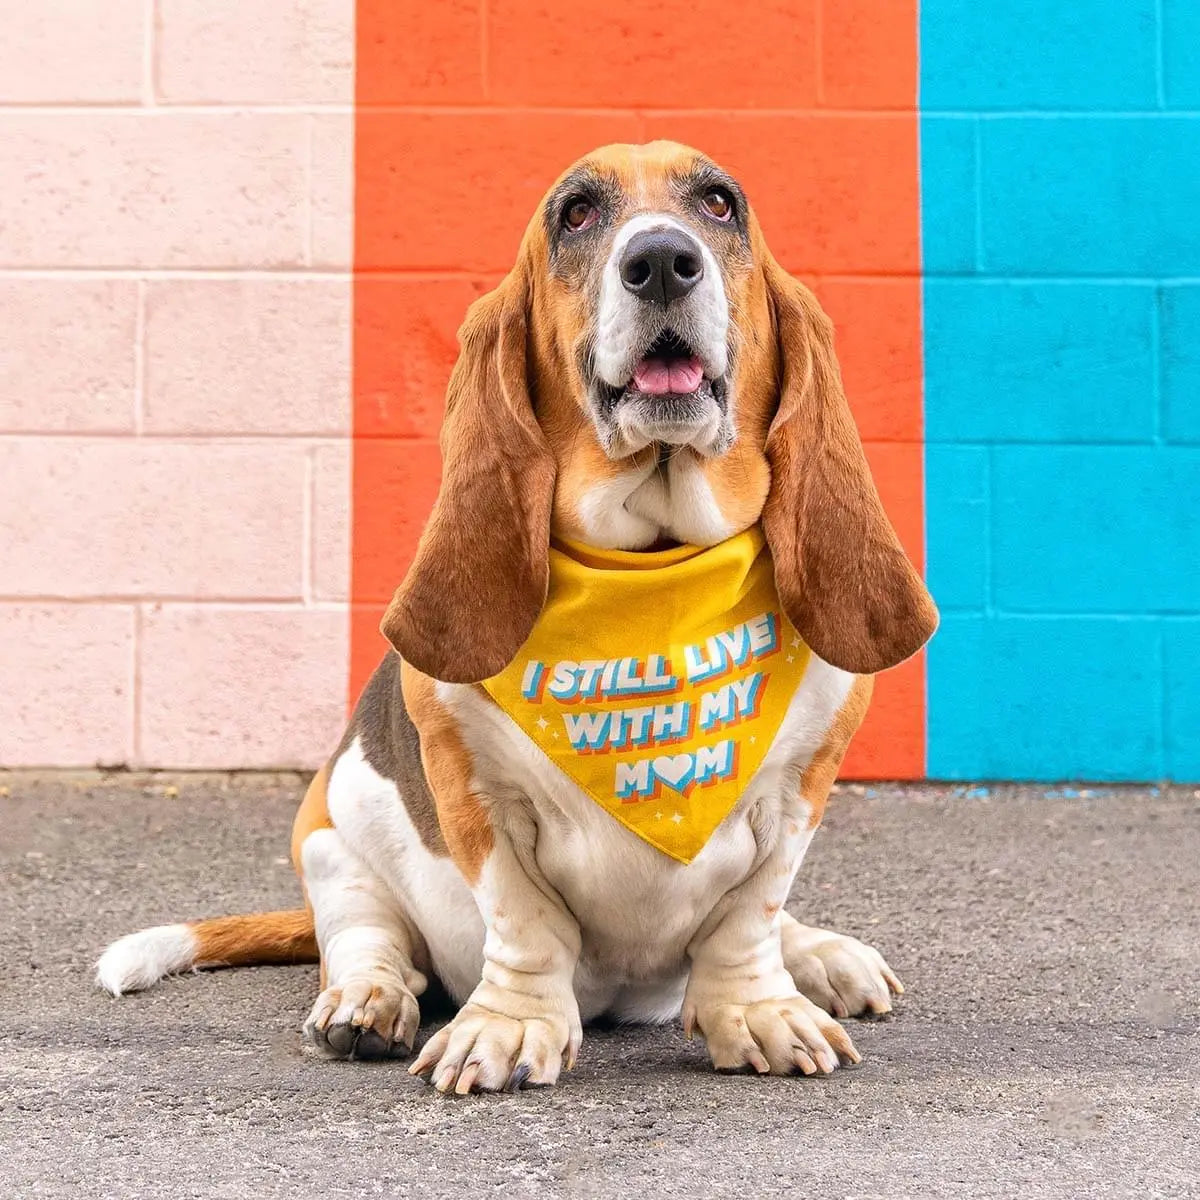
[
  {"x": 740, "y": 995},
  {"x": 521, "y": 1023}
]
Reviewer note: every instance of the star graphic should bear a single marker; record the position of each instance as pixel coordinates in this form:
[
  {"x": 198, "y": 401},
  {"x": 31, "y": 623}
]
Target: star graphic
[
  {"x": 658, "y": 816},
  {"x": 556, "y": 733},
  {"x": 791, "y": 658},
  {"x": 753, "y": 739},
  {"x": 542, "y": 723},
  {"x": 795, "y": 643},
  {"x": 678, "y": 818}
]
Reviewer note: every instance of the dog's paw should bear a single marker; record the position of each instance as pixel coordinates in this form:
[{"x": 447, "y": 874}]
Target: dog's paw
[
  {"x": 484, "y": 1051},
  {"x": 784, "y": 1036},
  {"x": 364, "y": 1019},
  {"x": 840, "y": 974}
]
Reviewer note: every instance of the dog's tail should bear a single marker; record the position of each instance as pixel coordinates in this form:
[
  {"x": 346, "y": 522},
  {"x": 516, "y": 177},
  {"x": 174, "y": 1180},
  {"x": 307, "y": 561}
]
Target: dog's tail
[{"x": 140, "y": 959}]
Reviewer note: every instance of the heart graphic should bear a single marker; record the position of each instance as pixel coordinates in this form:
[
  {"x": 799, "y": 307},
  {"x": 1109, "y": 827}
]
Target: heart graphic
[{"x": 675, "y": 770}]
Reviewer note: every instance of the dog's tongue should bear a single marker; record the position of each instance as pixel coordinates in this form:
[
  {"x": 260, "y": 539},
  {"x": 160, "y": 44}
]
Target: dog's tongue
[{"x": 658, "y": 376}]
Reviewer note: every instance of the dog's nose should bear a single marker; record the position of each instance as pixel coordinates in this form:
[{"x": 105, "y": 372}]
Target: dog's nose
[{"x": 660, "y": 265}]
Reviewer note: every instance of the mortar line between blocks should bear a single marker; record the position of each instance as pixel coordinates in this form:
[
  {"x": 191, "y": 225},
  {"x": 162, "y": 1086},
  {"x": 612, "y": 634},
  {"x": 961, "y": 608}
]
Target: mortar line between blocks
[
  {"x": 167, "y": 600},
  {"x": 1160, "y": 77},
  {"x": 162, "y": 108},
  {"x": 307, "y": 528},
  {"x": 1164, "y": 700},
  {"x": 989, "y": 532},
  {"x": 484, "y": 64},
  {"x": 310, "y": 182},
  {"x": 135, "y": 741},
  {"x": 1174, "y": 616},
  {"x": 149, "y": 45},
  {"x": 819, "y": 49},
  {"x": 210, "y": 438},
  {"x": 1156, "y": 367},
  {"x": 158, "y": 108},
  {"x": 74, "y": 274},
  {"x": 139, "y": 360},
  {"x": 495, "y": 272},
  {"x": 977, "y": 229}
]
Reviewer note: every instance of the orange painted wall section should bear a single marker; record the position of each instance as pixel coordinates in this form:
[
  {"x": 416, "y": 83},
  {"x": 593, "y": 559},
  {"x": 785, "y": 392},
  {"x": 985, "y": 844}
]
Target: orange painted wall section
[{"x": 467, "y": 111}]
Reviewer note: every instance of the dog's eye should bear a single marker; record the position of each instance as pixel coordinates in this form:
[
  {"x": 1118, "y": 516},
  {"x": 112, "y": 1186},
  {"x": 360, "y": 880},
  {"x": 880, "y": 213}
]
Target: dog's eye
[
  {"x": 578, "y": 214},
  {"x": 718, "y": 203}
]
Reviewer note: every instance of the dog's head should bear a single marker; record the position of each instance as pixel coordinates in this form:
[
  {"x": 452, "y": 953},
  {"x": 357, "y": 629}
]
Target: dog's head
[{"x": 647, "y": 372}]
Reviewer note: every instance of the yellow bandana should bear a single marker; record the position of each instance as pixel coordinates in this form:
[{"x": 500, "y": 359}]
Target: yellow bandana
[{"x": 657, "y": 681}]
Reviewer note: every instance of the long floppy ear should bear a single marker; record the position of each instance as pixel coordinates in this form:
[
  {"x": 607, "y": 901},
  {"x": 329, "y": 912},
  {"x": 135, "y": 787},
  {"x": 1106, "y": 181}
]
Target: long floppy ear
[
  {"x": 842, "y": 576},
  {"x": 479, "y": 578}
]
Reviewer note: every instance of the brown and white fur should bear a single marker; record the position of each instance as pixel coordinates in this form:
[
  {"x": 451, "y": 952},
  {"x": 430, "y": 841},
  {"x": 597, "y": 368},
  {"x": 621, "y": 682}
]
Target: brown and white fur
[{"x": 438, "y": 839}]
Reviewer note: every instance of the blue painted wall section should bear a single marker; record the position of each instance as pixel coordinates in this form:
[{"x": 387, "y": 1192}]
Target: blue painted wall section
[{"x": 1060, "y": 177}]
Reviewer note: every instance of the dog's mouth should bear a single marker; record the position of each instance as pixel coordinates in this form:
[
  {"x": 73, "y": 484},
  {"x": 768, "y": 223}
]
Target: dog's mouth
[
  {"x": 670, "y": 396},
  {"x": 668, "y": 370},
  {"x": 669, "y": 367}
]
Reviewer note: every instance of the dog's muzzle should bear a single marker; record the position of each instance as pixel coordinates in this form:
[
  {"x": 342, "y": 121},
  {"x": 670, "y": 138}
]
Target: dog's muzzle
[{"x": 661, "y": 352}]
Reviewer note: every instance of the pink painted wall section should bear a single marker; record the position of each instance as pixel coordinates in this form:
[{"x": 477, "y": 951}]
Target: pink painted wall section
[{"x": 175, "y": 246}]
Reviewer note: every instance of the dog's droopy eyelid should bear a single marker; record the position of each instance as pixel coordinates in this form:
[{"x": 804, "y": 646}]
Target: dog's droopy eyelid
[
  {"x": 578, "y": 197},
  {"x": 585, "y": 188},
  {"x": 708, "y": 179},
  {"x": 727, "y": 190}
]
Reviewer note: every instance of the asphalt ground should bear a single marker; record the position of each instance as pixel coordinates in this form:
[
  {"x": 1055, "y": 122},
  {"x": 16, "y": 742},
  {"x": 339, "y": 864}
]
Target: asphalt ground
[{"x": 1048, "y": 1044}]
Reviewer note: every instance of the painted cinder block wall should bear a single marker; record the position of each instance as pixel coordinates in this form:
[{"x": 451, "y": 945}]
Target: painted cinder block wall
[
  {"x": 466, "y": 113},
  {"x": 224, "y": 339},
  {"x": 1060, "y": 185},
  {"x": 175, "y": 239}
]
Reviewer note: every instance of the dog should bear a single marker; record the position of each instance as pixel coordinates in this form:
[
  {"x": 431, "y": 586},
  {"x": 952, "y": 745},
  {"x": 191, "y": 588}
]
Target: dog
[{"x": 647, "y": 386}]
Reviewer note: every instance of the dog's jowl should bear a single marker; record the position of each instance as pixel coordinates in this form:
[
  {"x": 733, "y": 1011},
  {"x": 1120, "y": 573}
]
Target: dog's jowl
[{"x": 637, "y": 638}]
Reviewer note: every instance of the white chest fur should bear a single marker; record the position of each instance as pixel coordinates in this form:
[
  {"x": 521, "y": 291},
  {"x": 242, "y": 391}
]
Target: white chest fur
[
  {"x": 646, "y": 503},
  {"x": 638, "y": 909}
]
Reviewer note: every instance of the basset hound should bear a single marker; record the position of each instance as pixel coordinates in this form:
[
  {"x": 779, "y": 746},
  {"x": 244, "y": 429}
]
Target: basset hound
[{"x": 646, "y": 381}]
